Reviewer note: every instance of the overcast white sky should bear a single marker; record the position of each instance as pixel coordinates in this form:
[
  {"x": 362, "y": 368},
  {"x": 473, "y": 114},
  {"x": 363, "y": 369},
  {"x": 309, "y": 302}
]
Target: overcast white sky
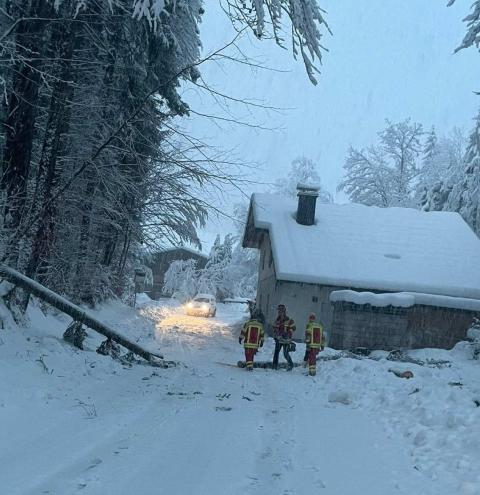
[{"x": 387, "y": 59}]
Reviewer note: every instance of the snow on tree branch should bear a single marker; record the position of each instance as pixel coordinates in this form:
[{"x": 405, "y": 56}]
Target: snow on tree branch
[
  {"x": 473, "y": 27},
  {"x": 306, "y": 18},
  {"x": 384, "y": 174}
]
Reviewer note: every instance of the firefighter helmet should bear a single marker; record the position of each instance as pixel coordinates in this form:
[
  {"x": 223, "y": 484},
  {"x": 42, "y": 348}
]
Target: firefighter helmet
[{"x": 312, "y": 316}]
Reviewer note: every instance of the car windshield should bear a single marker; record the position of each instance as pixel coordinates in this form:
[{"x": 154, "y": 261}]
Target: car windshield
[{"x": 202, "y": 299}]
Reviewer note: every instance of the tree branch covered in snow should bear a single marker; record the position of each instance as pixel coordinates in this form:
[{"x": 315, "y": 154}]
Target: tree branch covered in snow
[
  {"x": 472, "y": 37},
  {"x": 94, "y": 167},
  {"x": 307, "y": 20},
  {"x": 411, "y": 168},
  {"x": 303, "y": 170},
  {"x": 92, "y": 164},
  {"x": 384, "y": 174}
]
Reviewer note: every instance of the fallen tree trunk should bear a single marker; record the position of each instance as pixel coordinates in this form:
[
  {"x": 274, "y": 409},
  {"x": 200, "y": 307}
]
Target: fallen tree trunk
[{"x": 77, "y": 313}]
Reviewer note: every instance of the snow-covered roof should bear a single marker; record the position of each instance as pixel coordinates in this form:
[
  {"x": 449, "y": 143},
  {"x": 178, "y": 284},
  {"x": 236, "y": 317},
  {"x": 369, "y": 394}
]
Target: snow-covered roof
[
  {"x": 185, "y": 248},
  {"x": 205, "y": 296},
  {"x": 404, "y": 299},
  {"x": 357, "y": 246}
]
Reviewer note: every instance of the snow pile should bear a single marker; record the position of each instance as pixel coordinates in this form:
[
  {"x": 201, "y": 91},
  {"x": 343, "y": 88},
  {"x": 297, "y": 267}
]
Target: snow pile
[
  {"x": 391, "y": 249},
  {"x": 474, "y": 333},
  {"x": 398, "y": 299},
  {"x": 437, "y": 412},
  {"x": 142, "y": 298},
  {"x": 404, "y": 299}
]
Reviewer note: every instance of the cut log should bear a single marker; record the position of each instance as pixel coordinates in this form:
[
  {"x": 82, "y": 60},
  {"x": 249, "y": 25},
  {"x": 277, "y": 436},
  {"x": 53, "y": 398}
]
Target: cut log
[{"x": 76, "y": 312}]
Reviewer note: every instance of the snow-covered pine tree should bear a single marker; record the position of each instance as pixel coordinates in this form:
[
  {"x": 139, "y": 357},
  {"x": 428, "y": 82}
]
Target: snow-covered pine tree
[
  {"x": 81, "y": 223},
  {"x": 92, "y": 166},
  {"x": 465, "y": 194},
  {"x": 428, "y": 171},
  {"x": 472, "y": 37},
  {"x": 442, "y": 169}
]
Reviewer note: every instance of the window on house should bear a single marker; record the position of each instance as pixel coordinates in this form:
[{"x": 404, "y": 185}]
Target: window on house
[{"x": 315, "y": 299}]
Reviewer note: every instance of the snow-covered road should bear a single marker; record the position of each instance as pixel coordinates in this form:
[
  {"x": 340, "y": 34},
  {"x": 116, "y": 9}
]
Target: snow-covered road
[{"x": 88, "y": 425}]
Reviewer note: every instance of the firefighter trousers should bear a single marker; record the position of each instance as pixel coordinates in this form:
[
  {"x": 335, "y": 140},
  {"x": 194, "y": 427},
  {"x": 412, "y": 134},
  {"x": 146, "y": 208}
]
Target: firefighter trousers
[
  {"x": 286, "y": 354},
  {"x": 249, "y": 355},
  {"x": 312, "y": 361}
]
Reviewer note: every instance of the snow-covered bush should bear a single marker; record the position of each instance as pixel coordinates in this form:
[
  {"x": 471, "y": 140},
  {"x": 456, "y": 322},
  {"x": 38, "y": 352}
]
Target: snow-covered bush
[
  {"x": 181, "y": 279},
  {"x": 214, "y": 277}
]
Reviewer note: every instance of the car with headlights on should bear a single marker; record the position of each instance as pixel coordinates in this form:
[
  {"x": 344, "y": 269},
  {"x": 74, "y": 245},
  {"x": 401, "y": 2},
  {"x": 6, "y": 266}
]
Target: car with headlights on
[{"x": 202, "y": 305}]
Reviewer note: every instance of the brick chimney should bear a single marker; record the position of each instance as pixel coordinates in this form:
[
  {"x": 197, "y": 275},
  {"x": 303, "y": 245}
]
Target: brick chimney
[{"x": 307, "y": 199}]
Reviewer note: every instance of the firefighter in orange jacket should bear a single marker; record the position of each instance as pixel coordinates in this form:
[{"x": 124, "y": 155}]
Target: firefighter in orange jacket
[
  {"x": 252, "y": 336},
  {"x": 315, "y": 342}
]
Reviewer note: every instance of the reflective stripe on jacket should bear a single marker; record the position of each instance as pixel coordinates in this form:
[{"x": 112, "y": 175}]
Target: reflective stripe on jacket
[
  {"x": 252, "y": 334},
  {"x": 314, "y": 335}
]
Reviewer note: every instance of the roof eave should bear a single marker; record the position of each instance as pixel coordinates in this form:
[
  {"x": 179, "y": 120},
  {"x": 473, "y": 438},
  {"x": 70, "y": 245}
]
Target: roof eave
[{"x": 252, "y": 236}]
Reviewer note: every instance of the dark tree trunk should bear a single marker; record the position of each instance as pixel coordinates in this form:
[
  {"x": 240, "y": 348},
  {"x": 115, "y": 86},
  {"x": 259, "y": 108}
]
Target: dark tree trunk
[
  {"x": 83, "y": 274},
  {"x": 20, "y": 118},
  {"x": 63, "y": 42}
]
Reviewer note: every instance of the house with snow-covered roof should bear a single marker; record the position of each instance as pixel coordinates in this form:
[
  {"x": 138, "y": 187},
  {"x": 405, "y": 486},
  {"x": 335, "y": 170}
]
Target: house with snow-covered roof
[
  {"x": 381, "y": 278},
  {"x": 160, "y": 262}
]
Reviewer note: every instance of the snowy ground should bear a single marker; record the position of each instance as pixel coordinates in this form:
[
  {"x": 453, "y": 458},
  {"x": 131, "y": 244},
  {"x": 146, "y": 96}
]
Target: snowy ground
[{"x": 83, "y": 423}]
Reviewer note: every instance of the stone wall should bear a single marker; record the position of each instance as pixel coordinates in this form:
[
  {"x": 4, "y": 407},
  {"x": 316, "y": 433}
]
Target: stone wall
[
  {"x": 430, "y": 326},
  {"x": 391, "y": 328}
]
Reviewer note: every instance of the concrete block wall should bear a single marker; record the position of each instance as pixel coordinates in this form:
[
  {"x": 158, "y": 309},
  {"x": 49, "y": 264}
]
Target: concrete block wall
[
  {"x": 364, "y": 326},
  {"x": 391, "y": 328}
]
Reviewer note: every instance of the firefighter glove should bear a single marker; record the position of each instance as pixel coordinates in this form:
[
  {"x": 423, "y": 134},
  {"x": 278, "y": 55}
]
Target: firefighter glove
[{"x": 239, "y": 340}]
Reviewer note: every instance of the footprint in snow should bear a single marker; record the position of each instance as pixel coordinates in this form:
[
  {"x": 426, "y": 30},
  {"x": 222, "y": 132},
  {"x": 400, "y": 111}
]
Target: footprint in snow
[
  {"x": 94, "y": 464},
  {"x": 267, "y": 453},
  {"x": 320, "y": 483}
]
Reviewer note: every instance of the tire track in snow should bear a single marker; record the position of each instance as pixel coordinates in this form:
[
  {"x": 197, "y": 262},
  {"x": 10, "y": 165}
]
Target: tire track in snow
[{"x": 83, "y": 465}]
